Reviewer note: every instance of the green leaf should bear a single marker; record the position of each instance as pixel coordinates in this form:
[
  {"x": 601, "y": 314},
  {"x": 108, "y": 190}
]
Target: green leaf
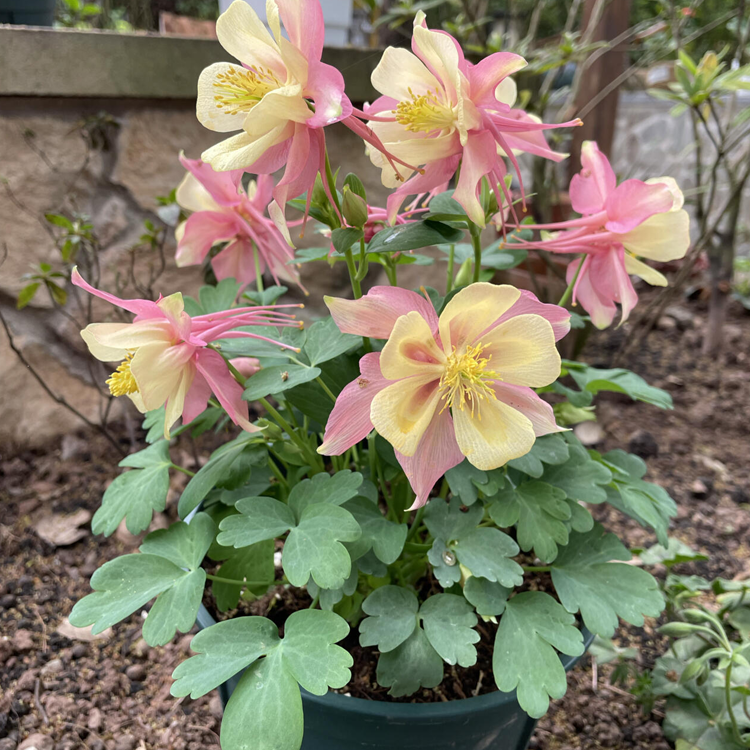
[
  {"x": 137, "y": 493},
  {"x": 252, "y": 563},
  {"x": 126, "y": 583},
  {"x": 524, "y": 659},
  {"x": 229, "y": 464},
  {"x": 674, "y": 553},
  {"x": 448, "y": 623},
  {"x": 487, "y": 596},
  {"x": 618, "y": 380},
  {"x": 581, "y": 478},
  {"x": 392, "y": 618},
  {"x": 310, "y": 653},
  {"x": 503, "y": 259},
  {"x": 447, "y": 521},
  {"x": 153, "y": 423},
  {"x": 268, "y": 296},
  {"x": 265, "y": 710},
  {"x": 648, "y": 503},
  {"x": 550, "y": 449},
  {"x": 606, "y": 651},
  {"x": 540, "y": 510},
  {"x": 445, "y": 203},
  {"x": 444, "y": 563},
  {"x": 464, "y": 481},
  {"x": 59, "y": 221},
  {"x": 325, "y": 341},
  {"x": 585, "y": 579},
  {"x": 213, "y": 299},
  {"x": 344, "y": 237},
  {"x": 486, "y": 552},
  {"x": 259, "y": 518},
  {"x": 324, "y": 488},
  {"x": 413, "y": 236},
  {"x": 412, "y": 665},
  {"x": 313, "y": 547},
  {"x": 277, "y": 379},
  {"x": 384, "y": 537},
  {"x": 27, "y": 294}
]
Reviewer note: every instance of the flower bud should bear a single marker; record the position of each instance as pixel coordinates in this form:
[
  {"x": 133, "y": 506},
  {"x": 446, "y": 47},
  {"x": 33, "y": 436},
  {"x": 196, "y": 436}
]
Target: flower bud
[
  {"x": 677, "y": 629},
  {"x": 354, "y": 208}
]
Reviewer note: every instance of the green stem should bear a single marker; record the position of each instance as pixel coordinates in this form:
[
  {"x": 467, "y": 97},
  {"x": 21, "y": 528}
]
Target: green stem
[
  {"x": 476, "y": 243},
  {"x": 390, "y": 272},
  {"x": 332, "y": 185},
  {"x": 451, "y": 263},
  {"x": 258, "y": 274},
  {"x": 380, "y": 477},
  {"x": 315, "y": 601},
  {"x": 320, "y": 382},
  {"x": 536, "y": 568},
  {"x": 277, "y": 473},
  {"x": 415, "y": 547},
  {"x": 571, "y": 286},
  {"x": 730, "y": 709},
  {"x": 352, "y": 268},
  {"x": 416, "y": 523},
  {"x": 311, "y": 456},
  {"x": 183, "y": 470},
  {"x": 237, "y": 582},
  {"x": 363, "y": 263}
]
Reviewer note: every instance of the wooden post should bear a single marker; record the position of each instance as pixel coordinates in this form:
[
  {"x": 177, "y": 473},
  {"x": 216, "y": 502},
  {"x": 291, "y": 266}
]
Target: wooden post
[{"x": 599, "y": 124}]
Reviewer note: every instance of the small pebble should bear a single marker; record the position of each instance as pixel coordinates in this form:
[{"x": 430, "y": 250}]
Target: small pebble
[
  {"x": 136, "y": 672},
  {"x": 37, "y": 741},
  {"x": 125, "y": 742},
  {"x": 55, "y": 666},
  {"x": 79, "y": 650},
  {"x": 8, "y": 601}
]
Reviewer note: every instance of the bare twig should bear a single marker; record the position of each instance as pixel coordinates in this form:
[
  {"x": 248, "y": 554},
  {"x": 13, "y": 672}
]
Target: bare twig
[{"x": 37, "y": 703}]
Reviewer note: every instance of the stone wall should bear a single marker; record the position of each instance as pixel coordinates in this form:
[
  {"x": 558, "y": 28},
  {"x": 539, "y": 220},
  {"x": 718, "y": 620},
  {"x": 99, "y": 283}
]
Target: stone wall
[{"x": 52, "y": 81}]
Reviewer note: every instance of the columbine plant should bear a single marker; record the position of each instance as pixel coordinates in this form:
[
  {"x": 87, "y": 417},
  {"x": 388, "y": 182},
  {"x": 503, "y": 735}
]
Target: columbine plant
[{"x": 408, "y": 455}]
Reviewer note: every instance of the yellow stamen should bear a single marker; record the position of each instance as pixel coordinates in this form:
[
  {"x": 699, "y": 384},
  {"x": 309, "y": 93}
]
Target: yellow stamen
[
  {"x": 122, "y": 382},
  {"x": 467, "y": 381},
  {"x": 240, "y": 89},
  {"x": 424, "y": 113}
]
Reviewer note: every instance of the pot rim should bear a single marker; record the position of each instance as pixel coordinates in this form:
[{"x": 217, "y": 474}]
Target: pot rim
[{"x": 452, "y": 708}]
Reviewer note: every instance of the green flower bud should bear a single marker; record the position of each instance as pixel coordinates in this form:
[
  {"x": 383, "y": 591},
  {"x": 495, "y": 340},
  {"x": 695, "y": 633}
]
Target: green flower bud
[{"x": 354, "y": 208}]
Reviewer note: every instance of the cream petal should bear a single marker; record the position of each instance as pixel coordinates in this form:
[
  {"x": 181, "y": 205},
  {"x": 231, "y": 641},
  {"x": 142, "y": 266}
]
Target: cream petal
[
  {"x": 650, "y": 275},
  {"x": 218, "y": 119},
  {"x": 110, "y": 342},
  {"x": 157, "y": 369},
  {"x": 244, "y": 36},
  {"x": 506, "y": 91},
  {"x": 472, "y": 311},
  {"x": 176, "y": 401},
  {"x": 661, "y": 237},
  {"x": 673, "y": 187},
  {"x": 522, "y": 351},
  {"x": 439, "y": 52},
  {"x": 411, "y": 350},
  {"x": 192, "y": 196},
  {"x": 402, "y": 412},
  {"x": 242, "y": 150},
  {"x": 401, "y": 73},
  {"x": 500, "y": 435},
  {"x": 277, "y": 108}
]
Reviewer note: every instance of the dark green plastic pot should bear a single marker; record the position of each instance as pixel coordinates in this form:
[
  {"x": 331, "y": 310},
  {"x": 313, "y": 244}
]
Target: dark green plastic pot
[
  {"x": 28, "y": 12},
  {"x": 334, "y": 722}
]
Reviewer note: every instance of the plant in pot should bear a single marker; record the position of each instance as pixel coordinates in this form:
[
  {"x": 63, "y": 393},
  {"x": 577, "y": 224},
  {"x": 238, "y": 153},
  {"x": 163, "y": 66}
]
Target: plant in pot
[{"x": 408, "y": 521}]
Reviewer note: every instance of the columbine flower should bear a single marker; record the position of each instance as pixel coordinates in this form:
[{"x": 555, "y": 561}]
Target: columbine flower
[
  {"x": 438, "y": 109},
  {"x": 448, "y": 387},
  {"x": 224, "y": 212},
  {"x": 165, "y": 357},
  {"x": 619, "y": 223}
]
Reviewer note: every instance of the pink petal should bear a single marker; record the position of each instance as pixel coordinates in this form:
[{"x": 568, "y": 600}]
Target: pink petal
[
  {"x": 349, "y": 422},
  {"x": 527, "y": 303},
  {"x": 485, "y": 76},
  {"x": 273, "y": 159},
  {"x": 142, "y": 308},
  {"x": 601, "y": 309},
  {"x": 434, "y": 174},
  {"x": 376, "y": 313},
  {"x": 212, "y": 366},
  {"x": 525, "y": 400},
  {"x": 530, "y": 141},
  {"x": 633, "y": 201},
  {"x": 247, "y": 366},
  {"x": 325, "y": 86},
  {"x": 589, "y": 189},
  {"x": 222, "y": 186},
  {"x": 479, "y": 159},
  {"x": 303, "y": 21},
  {"x": 437, "y": 452},
  {"x": 236, "y": 261},
  {"x": 611, "y": 280},
  {"x": 263, "y": 192},
  {"x": 202, "y": 231},
  {"x": 196, "y": 399}
]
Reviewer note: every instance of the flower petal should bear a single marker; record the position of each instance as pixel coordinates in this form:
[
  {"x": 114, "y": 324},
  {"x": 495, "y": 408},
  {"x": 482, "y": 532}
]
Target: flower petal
[
  {"x": 176, "y": 400},
  {"x": 558, "y": 317},
  {"x": 325, "y": 86},
  {"x": 525, "y": 400},
  {"x": 411, "y": 350},
  {"x": 650, "y": 275},
  {"x": 142, "y": 308},
  {"x": 211, "y": 116},
  {"x": 221, "y": 187},
  {"x": 196, "y": 399},
  {"x": 402, "y": 411},
  {"x": 436, "y": 453},
  {"x": 609, "y": 278},
  {"x": 399, "y": 74},
  {"x": 110, "y": 342},
  {"x": 202, "y": 231},
  {"x": 244, "y": 36},
  {"x": 349, "y": 422},
  {"x": 192, "y": 196},
  {"x": 473, "y": 310},
  {"x": 502, "y": 434},
  {"x": 243, "y": 150},
  {"x": 589, "y": 189},
  {"x": 376, "y": 313},
  {"x": 440, "y": 54},
  {"x": 303, "y": 21},
  {"x": 522, "y": 351},
  {"x": 157, "y": 369},
  {"x": 601, "y": 309},
  {"x": 236, "y": 261},
  {"x": 662, "y": 237},
  {"x": 633, "y": 201},
  {"x": 673, "y": 187},
  {"x": 479, "y": 158},
  {"x": 489, "y": 73}
]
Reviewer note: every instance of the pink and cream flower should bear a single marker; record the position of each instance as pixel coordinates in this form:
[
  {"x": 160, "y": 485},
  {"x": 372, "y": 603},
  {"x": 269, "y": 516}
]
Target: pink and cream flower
[
  {"x": 619, "y": 224},
  {"x": 166, "y": 358},
  {"x": 444, "y": 388},
  {"x": 438, "y": 109},
  {"x": 222, "y": 211}
]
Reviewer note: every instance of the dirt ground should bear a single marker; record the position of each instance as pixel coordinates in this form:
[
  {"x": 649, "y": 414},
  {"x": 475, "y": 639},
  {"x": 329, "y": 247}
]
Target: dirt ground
[{"x": 64, "y": 690}]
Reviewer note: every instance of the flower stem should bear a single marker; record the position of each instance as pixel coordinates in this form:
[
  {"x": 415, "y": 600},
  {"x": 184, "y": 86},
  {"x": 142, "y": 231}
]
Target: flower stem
[
  {"x": 451, "y": 263},
  {"x": 332, "y": 185},
  {"x": 309, "y": 454},
  {"x": 183, "y": 470},
  {"x": 352, "y": 268},
  {"x": 571, "y": 286},
  {"x": 730, "y": 709},
  {"x": 237, "y": 582},
  {"x": 326, "y": 389},
  {"x": 476, "y": 243},
  {"x": 258, "y": 274}
]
